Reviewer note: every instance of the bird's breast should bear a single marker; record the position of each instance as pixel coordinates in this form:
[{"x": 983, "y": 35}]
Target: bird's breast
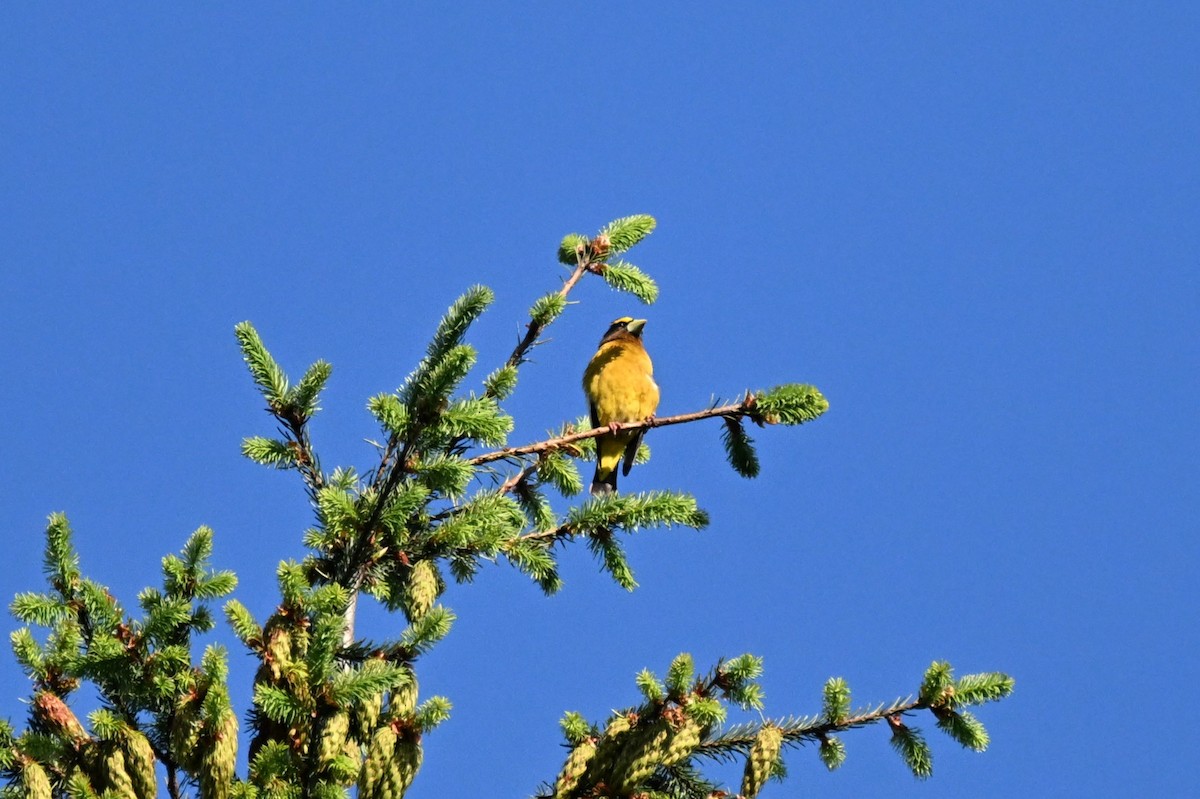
[{"x": 620, "y": 384}]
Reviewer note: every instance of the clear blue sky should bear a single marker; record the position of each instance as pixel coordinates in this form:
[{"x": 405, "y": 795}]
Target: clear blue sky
[{"x": 975, "y": 227}]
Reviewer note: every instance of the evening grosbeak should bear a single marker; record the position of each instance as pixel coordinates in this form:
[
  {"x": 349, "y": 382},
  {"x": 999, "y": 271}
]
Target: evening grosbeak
[{"x": 619, "y": 384}]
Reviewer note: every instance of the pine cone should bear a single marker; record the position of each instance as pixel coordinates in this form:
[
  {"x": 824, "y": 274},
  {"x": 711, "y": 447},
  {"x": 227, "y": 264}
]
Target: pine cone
[
  {"x": 53, "y": 713},
  {"x": 763, "y": 755},
  {"x": 185, "y": 732},
  {"x": 34, "y": 781},
  {"x": 642, "y": 754},
  {"x": 278, "y": 657},
  {"x": 218, "y": 761},
  {"x": 619, "y": 725},
  {"x": 378, "y": 761},
  {"x": 574, "y": 768},
  {"x": 366, "y": 716},
  {"x": 683, "y": 742},
  {"x": 404, "y": 699},
  {"x": 139, "y": 762},
  {"x": 421, "y": 590},
  {"x": 406, "y": 761},
  {"x": 333, "y": 737},
  {"x": 609, "y": 747},
  {"x": 112, "y": 775}
]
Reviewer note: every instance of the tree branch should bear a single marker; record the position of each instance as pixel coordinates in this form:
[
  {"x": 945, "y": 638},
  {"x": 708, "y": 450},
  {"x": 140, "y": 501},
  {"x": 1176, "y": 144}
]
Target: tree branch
[
  {"x": 736, "y": 410},
  {"x": 172, "y": 781},
  {"x": 553, "y": 534},
  {"x": 306, "y": 459},
  {"x": 356, "y": 564},
  {"x": 518, "y": 478},
  {"x": 742, "y": 736},
  {"x": 387, "y": 479},
  {"x": 534, "y": 329}
]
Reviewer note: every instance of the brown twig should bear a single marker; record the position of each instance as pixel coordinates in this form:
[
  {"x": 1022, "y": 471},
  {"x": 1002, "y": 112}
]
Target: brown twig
[
  {"x": 518, "y": 478},
  {"x": 553, "y": 534},
  {"x": 381, "y": 472},
  {"x": 736, "y": 409},
  {"x": 534, "y": 329},
  {"x": 306, "y": 458}
]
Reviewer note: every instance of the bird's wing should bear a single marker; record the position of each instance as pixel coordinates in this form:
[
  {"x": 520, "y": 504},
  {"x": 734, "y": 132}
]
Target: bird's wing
[
  {"x": 592, "y": 410},
  {"x": 631, "y": 451}
]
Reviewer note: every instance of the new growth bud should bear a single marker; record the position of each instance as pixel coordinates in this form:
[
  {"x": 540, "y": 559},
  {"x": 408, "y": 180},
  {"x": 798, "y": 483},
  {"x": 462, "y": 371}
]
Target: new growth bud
[{"x": 601, "y": 246}]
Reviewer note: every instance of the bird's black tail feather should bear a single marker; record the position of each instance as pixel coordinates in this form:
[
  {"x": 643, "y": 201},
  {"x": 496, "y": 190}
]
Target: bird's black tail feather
[
  {"x": 608, "y": 485},
  {"x": 631, "y": 451}
]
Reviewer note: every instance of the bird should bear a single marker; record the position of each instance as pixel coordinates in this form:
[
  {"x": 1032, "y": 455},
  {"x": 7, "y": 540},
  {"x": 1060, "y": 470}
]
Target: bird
[{"x": 619, "y": 384}]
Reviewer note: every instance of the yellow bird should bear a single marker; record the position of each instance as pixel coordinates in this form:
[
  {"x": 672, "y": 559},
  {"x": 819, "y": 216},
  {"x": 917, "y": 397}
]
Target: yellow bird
[{"x": 619, "y": 384}]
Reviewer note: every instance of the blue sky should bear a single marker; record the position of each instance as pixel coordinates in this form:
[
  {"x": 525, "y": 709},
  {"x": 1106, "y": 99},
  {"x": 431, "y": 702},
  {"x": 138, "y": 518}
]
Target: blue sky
[{"x": 974, "y": 227}]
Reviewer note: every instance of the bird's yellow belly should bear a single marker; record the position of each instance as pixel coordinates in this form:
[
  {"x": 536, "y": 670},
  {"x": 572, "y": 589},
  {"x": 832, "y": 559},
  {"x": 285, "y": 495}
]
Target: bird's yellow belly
[{"x": 620, "y": 399}]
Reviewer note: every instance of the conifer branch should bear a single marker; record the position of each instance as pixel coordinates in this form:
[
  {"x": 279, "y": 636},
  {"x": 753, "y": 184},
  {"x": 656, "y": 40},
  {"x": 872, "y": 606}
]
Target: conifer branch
[
  {"x": 518, "y": 478},
  {"x": 173, "y": 781},
  {"x": 559, "y": 442},
  {"x": 679, "y": 722},
  {"x": 292, "y": 406},
  {"x": 587, "y": 255},
  {"x": 598, "y": 517},
  {"x": 306, "y": 458},
  {"x": 533, "y": 330},
  {"x": 804, "y": 403},
  {"x": 738, "y": 739},
  {"x": 549, "y": 537}
]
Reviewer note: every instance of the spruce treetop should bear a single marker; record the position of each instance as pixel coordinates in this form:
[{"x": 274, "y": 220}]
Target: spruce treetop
[{"x": 446, "y": 496}]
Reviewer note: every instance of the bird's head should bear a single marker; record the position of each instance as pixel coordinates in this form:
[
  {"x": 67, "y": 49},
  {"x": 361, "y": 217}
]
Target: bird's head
[{"x": 625, "y": 327}]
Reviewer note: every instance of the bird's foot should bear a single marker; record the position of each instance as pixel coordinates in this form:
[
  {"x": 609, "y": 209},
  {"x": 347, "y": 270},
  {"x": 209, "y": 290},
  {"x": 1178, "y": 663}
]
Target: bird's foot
[{"x": 613, "y": 427}]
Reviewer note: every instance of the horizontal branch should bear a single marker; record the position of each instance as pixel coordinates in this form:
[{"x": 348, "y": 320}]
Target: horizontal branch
[
  {"x": 736, "y": 409},
  {"x": 740, "y": 738},
  {"x": 565, "y": 530}
]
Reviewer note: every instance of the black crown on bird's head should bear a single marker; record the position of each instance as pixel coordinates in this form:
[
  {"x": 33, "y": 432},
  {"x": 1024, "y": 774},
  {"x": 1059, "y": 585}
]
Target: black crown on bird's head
[{"x": 625, "y": 326}]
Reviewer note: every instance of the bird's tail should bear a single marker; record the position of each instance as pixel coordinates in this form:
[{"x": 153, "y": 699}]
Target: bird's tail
[
  {"x": 609, "y": 449},
  {"x": 604, "y": 484},
  {"x": 631, "y": 450}
]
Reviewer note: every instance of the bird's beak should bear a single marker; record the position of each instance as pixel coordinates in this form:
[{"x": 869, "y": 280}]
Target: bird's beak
[{"x": 635, "y": 327}]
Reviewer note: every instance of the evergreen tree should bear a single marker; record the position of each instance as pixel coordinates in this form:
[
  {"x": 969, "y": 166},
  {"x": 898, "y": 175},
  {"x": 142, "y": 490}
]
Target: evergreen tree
[{"x": 332, "y": 709}]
